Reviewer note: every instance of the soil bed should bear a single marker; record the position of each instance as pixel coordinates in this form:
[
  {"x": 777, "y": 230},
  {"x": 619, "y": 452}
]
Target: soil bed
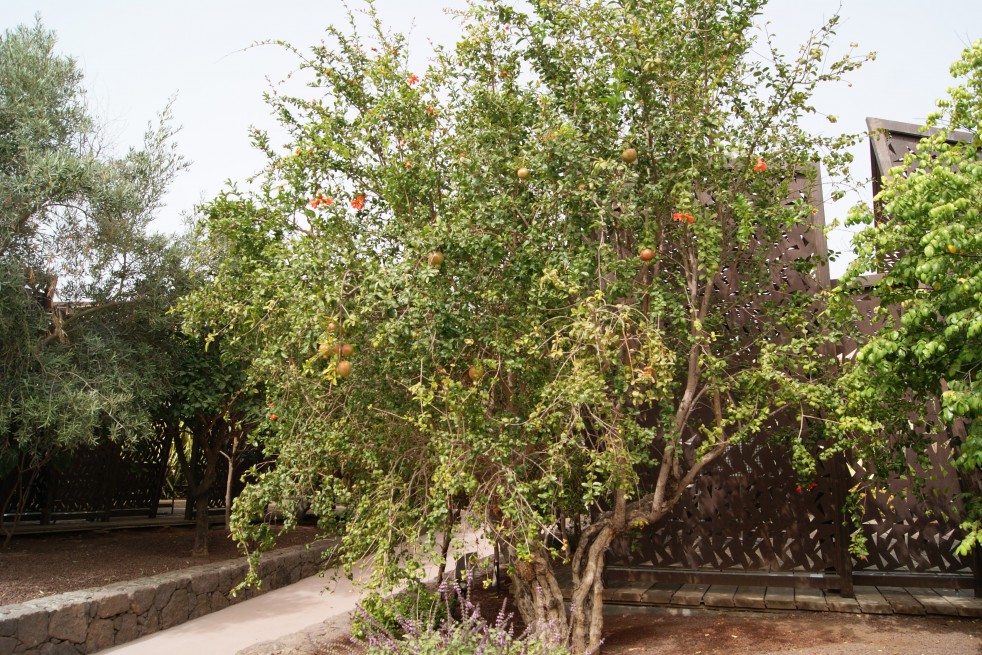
[
  {"x": 33, "y": 566},
  {"x": 709, "y": 632}
]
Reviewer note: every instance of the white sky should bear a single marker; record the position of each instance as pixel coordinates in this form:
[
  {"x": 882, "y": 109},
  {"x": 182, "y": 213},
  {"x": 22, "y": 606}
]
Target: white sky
[{"x": 137, "y": 54}]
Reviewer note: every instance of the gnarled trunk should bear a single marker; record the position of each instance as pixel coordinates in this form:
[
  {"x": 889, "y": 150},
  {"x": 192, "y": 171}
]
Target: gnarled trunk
[
  {"x": 538, "y": 595},
  {"x": 586, "y": 607}
]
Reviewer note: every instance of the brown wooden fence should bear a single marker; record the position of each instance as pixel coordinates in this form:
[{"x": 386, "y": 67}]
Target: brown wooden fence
[
  {"x": 104, "y": 482},
  {"x": 96, "y": 483},
  {"x": 747, "y": 522}
]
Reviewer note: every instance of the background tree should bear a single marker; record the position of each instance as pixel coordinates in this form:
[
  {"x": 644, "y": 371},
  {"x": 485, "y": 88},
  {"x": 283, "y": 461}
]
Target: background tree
[
  {"x": 488, "y": 290},
  {"x": 83, "y": 285},
  {"x": 209, "y": 417},
  {"x": 933, "y": 230}
]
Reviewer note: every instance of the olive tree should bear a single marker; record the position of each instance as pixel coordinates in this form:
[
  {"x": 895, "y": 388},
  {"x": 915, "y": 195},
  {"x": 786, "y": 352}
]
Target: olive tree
[
  {"x": 83, "y": 285},
  {"x": 485, "y": 291}
]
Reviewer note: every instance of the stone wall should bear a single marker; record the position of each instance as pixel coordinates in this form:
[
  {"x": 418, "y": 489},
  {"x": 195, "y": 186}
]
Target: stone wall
[{"x": 91, "y": 620}]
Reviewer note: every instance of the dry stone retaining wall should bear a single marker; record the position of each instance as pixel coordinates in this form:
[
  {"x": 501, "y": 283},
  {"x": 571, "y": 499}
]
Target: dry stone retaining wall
[{"x": 87, "y": 621}]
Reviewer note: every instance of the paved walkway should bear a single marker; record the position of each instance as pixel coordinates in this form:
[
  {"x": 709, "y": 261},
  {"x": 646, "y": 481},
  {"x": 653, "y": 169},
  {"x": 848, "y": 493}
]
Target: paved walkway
[
  {"x": 304, "y": 616},
  {"x": 263, "y": 618},
  {"x": 273, "y": 615}
]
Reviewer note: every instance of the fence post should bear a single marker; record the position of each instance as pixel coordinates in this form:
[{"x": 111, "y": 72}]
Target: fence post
[
  {"x": 112, "y": 455},
  {"x": 841, "y": 556},
  {"x": 51, "y": 479}
]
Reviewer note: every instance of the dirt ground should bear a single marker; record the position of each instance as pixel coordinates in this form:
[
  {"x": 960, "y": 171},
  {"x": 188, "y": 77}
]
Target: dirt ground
[
  {"x": 32, "y": 566},
  {"x": 707, "y": 632},
  {"x": 710, "y": 632}
]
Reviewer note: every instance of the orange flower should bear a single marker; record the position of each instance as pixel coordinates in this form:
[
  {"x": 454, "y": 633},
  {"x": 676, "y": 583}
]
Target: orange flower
[
  {"x": 359, "y": 202},
  {"x": 760, "y": 166},
  {"x": 411, "y": 80},
  {"x": 321, "y": 199},
  {"x": 679, "y": 216}
]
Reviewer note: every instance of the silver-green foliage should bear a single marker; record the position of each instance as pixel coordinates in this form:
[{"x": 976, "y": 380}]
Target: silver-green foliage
[{"x": 83, "y": 284}]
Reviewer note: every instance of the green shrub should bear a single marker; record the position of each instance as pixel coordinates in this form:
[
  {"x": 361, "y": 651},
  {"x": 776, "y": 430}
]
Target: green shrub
[
  {"x": 392, "y": 615},
  {"x": 471, "y": 635}
]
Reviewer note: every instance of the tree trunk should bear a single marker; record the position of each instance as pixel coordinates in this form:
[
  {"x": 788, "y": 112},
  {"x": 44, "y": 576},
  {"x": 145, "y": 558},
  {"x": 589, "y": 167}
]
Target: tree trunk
[
  {"x": 199, "y": 490},
  {"x": 586, "y": 609},
  {"x": 538, "y": 596},
  {"x": 233, "y": 460},
  {"x": 202, "y": 494},
  {"x": 200, "y": 548},
  {"x": 229, "y": 481},
  {"x": 22, "y": 493}
]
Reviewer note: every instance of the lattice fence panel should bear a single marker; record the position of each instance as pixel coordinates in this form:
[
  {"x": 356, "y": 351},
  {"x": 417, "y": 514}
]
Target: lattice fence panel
[
  {"x": 890, "y": 143},
  {"x": 95, "y": 482},
  {"x": 20, "y": 489},
  {"x": 83, "y": 484},
  {"x": 141, "y": 476},
  {"x": 796, "y": 261},
  {"x": 745, "y": 515},
  {"x": 916, "y": 532}
]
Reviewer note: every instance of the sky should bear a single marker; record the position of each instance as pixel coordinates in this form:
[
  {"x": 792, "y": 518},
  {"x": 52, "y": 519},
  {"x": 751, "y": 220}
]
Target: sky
[{"x": 138, "y": 55}]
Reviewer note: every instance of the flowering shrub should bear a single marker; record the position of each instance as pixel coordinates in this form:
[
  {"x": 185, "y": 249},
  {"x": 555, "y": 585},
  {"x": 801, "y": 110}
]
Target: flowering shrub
[
  {"x": 535, "y": 300},
  {"x": 392, "y": 616},
  {"x": 471, "y": 635}
]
